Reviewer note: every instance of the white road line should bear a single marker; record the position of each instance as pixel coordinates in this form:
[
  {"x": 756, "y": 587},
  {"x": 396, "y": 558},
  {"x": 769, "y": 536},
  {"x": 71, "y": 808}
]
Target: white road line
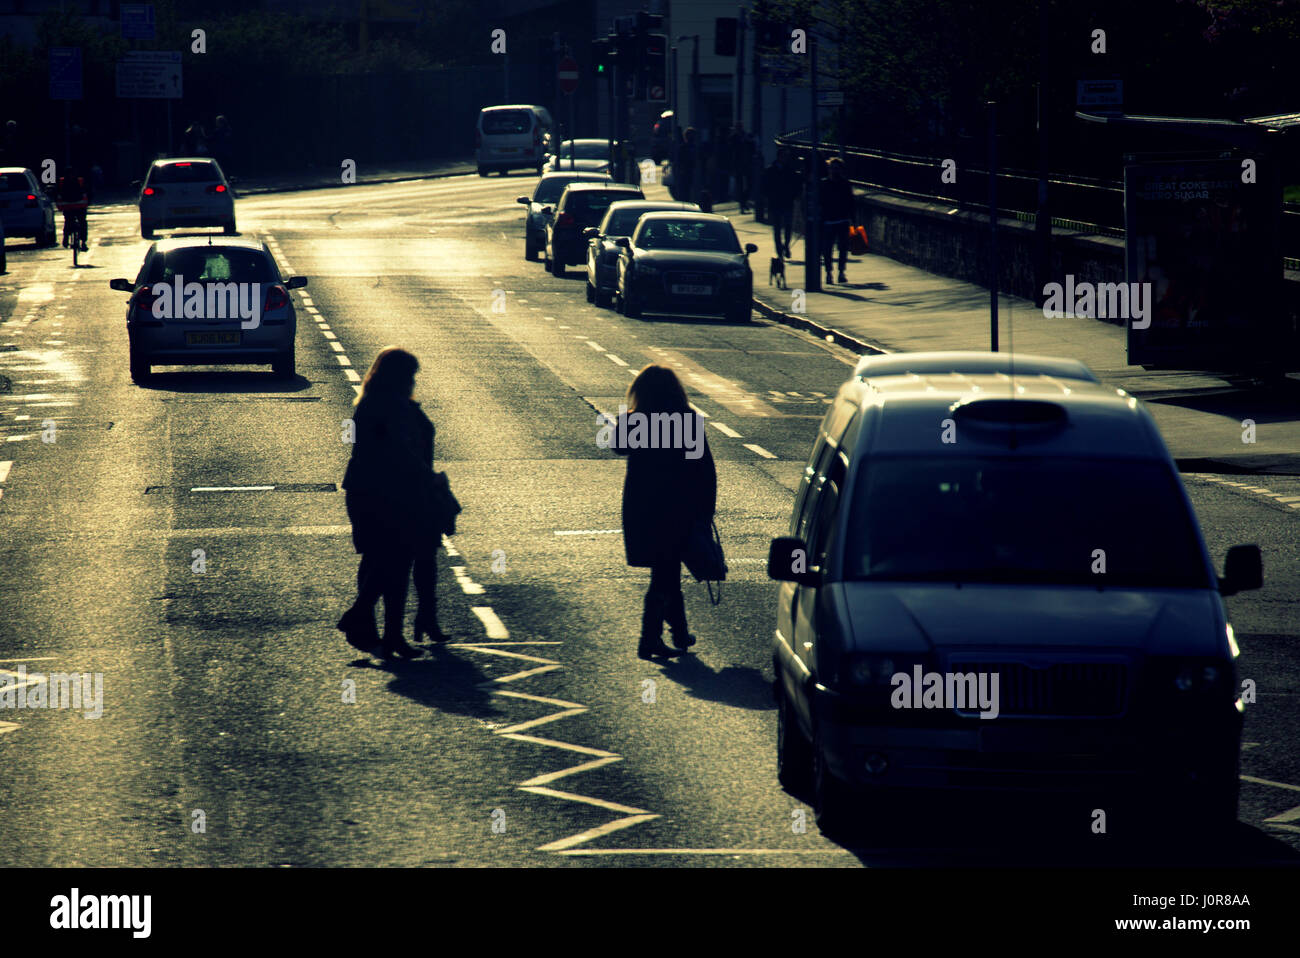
[
  {"x": 587, "y": 532},
  {"x": 1290, "y": 815},
  {"x": 451, "y": 550},
  {"x": 700, "y": 412},
  {"x": 490, "y": 650},
  {"x": 565, "y": 772},
  {"x": 595, "y": 345},
  {"x": 707, "y": 851},
  {"x": 521, "y": 675},
  {"x": 467, "y": 585},
  {"x": 9, "y": 727},
  {"x": 343, "y": 360},
  {"x": 1264, "y": 781},
  {"x": 522, "y": 726},
  {"x": 4, "y": 469},
  {"x": 494, "y": 626},
  {"x": 231, "y": 488},
  {"x": 587, "y": 800},
  {"x": 594, "y": 833},
  {"x": 336, "y": 346},
  {"x": 760, "y": 450},
  {"x": 353, "y": 375},
  {"x": 1288, "y": 499},
  {"x": 614, "y": 359},
  {"x": 726, "y": 430},
  {"x": 566, "y": 746},
  {"x": 328, "y": 335}
]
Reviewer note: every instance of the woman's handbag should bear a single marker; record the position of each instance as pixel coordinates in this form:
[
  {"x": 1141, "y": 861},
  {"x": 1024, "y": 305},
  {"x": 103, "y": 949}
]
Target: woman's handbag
[
  {"x": 442, "y": 505},
  {"x": 858, "y": 240},
  {"x": 704, "y": 558}
]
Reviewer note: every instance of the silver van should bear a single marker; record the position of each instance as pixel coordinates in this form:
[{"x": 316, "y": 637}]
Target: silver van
[
  {"x": 994, "y": 580},
  {"x": 512, "y": 137}
]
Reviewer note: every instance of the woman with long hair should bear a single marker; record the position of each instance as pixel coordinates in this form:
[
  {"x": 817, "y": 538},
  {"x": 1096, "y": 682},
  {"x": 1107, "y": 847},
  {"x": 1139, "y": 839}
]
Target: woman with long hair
[
  {"x": 671, "y": 484},
  {"x": 386, "y": 494}
]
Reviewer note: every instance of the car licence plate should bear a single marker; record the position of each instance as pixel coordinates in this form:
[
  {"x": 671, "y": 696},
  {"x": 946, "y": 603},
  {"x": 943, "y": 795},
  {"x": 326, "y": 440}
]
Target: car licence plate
[
  {"x": 691, "y": 289},
  {"x": 212, "y": 339},
  {"x": 184, "y": 210}
]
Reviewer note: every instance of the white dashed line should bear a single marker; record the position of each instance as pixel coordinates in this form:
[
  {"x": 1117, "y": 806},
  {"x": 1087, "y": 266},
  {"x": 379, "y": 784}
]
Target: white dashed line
[
  {"x": 726, "y": 430},
  {"x": 353, "y": 375},
  {"x": 343, "y": 360},
  {"x": 614, "y": 359},
  {"x": 328, "y": 335},
  {"x": 467, "y": 585},
  {"x": 4, "y": 469},
  {"x": 336, "y": 346},
  {"x": 494, "y": 626},
  {"x": 595, "y": 345},
  {"x": 760, "y": 450}
]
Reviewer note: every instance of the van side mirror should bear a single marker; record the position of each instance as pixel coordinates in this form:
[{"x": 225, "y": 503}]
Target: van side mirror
[
  {"x": 522, "y": 199},
  {"x": 787, "y": 561},
  {"x": 590, "y": 233},
  {"x": 751, "y": 247},
  {"x": 121, "y": 285},
  {"x": 296, "y": 282},
  {"x": 1243, "y": 569}
]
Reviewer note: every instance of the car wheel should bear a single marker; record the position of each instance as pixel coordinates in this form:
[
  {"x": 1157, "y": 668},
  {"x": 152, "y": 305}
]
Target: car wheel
[
  {"x": 483, "y": 171},
  {"x": 557, "y": 267},
  {"x": 591, "y": 292},
  {"x": 229, "y": 228},
  {"x": 140, "y": 367},
  {"x": 285, "y": 365},
  {"x": 530, "y": 251},
  {"x": 739, "y": 314},
  {"x": 146, "y": 230},
  {"x": 48, "y": 237},
  {"x": 602, "y": 298},
  {"x": 832, "y": 799},
  {"x": 631, "y": 308},
  {"x": 793, "y": 753}
]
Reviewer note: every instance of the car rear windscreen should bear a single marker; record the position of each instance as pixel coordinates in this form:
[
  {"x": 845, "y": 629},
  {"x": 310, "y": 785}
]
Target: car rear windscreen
[
  {"x": 709, "y": 236},
  {"x": 1022, "y": 519},
  {"x": 549, "y": 189},
  {"x": 598, "y": 150},
  {"x": 215, "y": 264},
  {"x": 14, "y": 183},
  {"x": 184, "y": 173},
  {"x": 623, "y": 222},
  {"x": 589, "y": 206},
  {"x": 507, "y": 122}
]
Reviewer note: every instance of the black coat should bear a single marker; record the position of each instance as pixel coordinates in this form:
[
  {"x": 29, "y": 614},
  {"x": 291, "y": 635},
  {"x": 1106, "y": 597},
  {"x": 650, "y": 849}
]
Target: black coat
[
  {"x": 663, "y": 494},
  {"x": 387, "y": 477}
]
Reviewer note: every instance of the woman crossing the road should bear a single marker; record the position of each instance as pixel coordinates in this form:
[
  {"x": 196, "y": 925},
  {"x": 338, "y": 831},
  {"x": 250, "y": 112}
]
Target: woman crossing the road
[
  {"x": 670, "y": 486},
  {"x": 386, "y": 487}
]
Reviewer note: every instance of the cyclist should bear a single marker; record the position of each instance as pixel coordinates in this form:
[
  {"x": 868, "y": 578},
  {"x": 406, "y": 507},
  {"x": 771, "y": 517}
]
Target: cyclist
[{"x": 73, "y": 201}]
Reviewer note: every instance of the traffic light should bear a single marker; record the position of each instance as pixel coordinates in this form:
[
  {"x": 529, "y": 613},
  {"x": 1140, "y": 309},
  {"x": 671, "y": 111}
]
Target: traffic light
[
  {"x": 656, "y": 68},
  {"x": 602, "y": 57},
  {"x": 724, "y": 36}
]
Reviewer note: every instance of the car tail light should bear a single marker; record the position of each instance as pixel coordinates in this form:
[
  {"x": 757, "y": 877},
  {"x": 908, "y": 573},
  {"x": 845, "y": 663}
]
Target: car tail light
[
  {"x": 217, "y": 188},
  {"x": 277, "y": 297},
  {"x": 153, "y": 191},
  {"x": 565, "y": 220},
  {"x": 184, "y": 164},
  {"x": 31, "y": 199}
]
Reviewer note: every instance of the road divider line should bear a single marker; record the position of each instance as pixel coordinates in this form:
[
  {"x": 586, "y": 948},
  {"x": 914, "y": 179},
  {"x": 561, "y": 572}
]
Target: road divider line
[
  {"x": 594, "y": 833},
  {"x": 4, "y": 469},
  {"x": 726, "y": 430},
  {"x": 614, "y": 359},
  {"x": 343, "y": 360},
  {"x": 565, "y": 746},
  {"x": 494, "y": 627},
  {"x": 586, "y": 800},
  {"x": 550, "y": 777},
  {"x": 595, "y": 345},
  {"x": 753, "y": 447}
]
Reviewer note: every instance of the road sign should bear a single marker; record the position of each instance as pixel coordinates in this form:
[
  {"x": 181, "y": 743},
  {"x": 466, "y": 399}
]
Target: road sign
[
  {"x": 150, "y": 75},
  {"x": 830, "y": 97},
  {"x": 137, "y": 21},
  {"x": 65, "y": 73},
  {"x": 1100, "y": 93},
  {"x": 568, "y": 75}
]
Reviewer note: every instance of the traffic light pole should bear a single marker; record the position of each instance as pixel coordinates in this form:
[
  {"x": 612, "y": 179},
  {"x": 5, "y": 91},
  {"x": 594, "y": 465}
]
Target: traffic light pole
[{"x": 812, "y": 204}]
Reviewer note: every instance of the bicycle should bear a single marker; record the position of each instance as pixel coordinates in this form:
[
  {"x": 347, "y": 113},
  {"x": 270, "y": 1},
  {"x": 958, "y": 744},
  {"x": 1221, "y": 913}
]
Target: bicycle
[{"x": 75, "y": 226}]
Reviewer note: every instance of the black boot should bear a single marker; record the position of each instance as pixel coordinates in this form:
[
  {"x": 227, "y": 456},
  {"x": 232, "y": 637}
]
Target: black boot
[
  {"x": 652, "y": 626},
  {"x": 358, "y": 627},
  {"x": 675, "y": 613}
]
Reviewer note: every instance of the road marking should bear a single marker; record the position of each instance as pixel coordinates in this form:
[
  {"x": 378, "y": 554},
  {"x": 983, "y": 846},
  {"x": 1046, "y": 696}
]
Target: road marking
[
  {"x": 231, "y": 488},
  {"x": 760, "y": 450},
  {"x": 451, "y": 550},
  {"x": 564, "y": 772},
  {"x": 4, "y": 469},
  {"x": 328, "y": 335},
  {"x": 722, "y": 391},
  {"x": 543, "y": 720},
  {"x": 343, "y": 360},
  {"x": 9, "y": 727},
  {"x": 484, "y": 647},
  {"x": 612, "y": 358},
  {"x": 336, "y": 346},
  {"x": 353, "y": 375},
  {"x": 707, "y": 851},
  {"x": 1288, "y": 816},
  {"x": 467, "y": 585},
  {"x": 700, "y": 412},
  {"x": 588, "y": 532},
  {"x": 1288, "y": 499},
  {"x": 1264, "y": 781},
  {"x": 495, "y": 627},
  {"x": 595, "y": 345},
  {"x": 726, "y": 430},
  {"x": 586, "y": 800},
  {"x": 595, "y": 833},
  {"x": 565, "y": 327}
]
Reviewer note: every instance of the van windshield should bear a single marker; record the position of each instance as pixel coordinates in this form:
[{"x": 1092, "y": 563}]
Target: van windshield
[
  {"x": 1023, "y": 519},
  {"x": 507, "y": 121}
]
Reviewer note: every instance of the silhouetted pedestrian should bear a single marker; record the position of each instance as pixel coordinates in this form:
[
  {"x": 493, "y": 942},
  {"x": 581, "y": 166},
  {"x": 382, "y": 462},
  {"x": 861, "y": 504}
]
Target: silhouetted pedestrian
[
  {"x": 386, "y": 485},
  {"x": 837, "y": 212},
  {"x": 688, "y": 159},
  {"x": 221, "y": 143},
  {"x": 671, "y": 484},
  {"x": 742, "y": 164},
  {"x": 780, "y": 187}
]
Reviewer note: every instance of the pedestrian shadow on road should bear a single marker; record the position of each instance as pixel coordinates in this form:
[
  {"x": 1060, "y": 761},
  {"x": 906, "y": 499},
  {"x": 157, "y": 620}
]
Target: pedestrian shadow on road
[
  {"x": 442, "y": 680},
  {"x": 734, "y": 685}
]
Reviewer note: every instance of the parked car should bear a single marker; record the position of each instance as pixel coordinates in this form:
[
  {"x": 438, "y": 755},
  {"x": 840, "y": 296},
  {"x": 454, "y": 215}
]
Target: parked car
[
  {"x": 1026, "y": 538},
  {"x": 541, "y": 206},
  {"x": 591, "y": 155},
  {"x": 685, "y": 263},
  {"x": 602, "y": 248},
  {"x": 512, "y": 136},
  {"x": 185, "y": 191},
  {"x": 222, "y": 301},
  {"x": 581, "y": 205},
  {"x": 25, "y": 208}
]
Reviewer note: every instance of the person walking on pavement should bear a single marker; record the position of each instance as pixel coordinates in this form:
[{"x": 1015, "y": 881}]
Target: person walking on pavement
[
  {"x": 221, "y": 144},
  {"x": 780, "y": 187},
  {"x": 386, "y": 486},
  {"x": 837, "y": 211},
  {"x": 742, "y": 164},
  {"x": 688, "y": 158},
  {"x": 668, "y": 488}
]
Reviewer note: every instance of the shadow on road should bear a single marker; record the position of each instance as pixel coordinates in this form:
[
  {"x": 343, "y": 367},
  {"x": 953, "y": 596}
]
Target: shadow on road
[
  {"x": 444, "y": 681},
  {"x": 737, "y": 686},
  {"x": 202, "y": 380}
]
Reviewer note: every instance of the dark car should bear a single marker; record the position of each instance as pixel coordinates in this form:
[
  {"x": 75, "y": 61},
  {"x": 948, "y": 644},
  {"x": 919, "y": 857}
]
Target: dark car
[
  {"x": 25, "y": 209},
  {"x": 685, "y": 263},
  {"x": 581, "y": 205},
  {"x": 602, "y": 248},
  {"x": 541, "y": 206}
]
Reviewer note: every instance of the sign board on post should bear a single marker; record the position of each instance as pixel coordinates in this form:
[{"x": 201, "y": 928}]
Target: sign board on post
[
  {"x": 65, "y": 73},
  {"x": 137, "y": 21},
  {"x": 567, "y": 73},
  {"x": 1099, "y": 93},
  {"x": 830, "y": 97},
  {"x": 150, "y": 75}
]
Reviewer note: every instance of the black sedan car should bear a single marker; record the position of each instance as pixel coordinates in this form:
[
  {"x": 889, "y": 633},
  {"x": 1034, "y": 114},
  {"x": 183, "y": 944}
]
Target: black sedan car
[
  {"x": 541, "y": 206},
  {"x": 581, "y": 205},
  {"x": 602, "y": 249},
  {"x": 685, "y": 263}
]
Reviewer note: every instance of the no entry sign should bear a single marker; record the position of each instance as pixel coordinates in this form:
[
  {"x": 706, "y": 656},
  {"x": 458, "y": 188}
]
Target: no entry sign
[{"x": 567, "y": 73}]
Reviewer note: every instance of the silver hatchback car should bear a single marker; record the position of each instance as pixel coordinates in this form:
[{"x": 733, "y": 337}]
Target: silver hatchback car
[
  {"x": 994, "y": 582},
  {"x": 210, "y": 300}
]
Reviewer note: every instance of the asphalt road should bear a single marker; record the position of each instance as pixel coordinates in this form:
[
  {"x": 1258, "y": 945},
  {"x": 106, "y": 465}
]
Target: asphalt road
[{"x": 229, "y": 734}]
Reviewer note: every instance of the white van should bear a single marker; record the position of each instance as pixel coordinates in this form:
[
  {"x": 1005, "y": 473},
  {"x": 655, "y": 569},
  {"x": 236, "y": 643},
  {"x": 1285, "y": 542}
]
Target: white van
[{"x": 511, "y": 137}]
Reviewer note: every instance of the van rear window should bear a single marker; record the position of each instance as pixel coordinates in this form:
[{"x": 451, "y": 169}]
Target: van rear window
[{"x": 507, "y": 121}]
